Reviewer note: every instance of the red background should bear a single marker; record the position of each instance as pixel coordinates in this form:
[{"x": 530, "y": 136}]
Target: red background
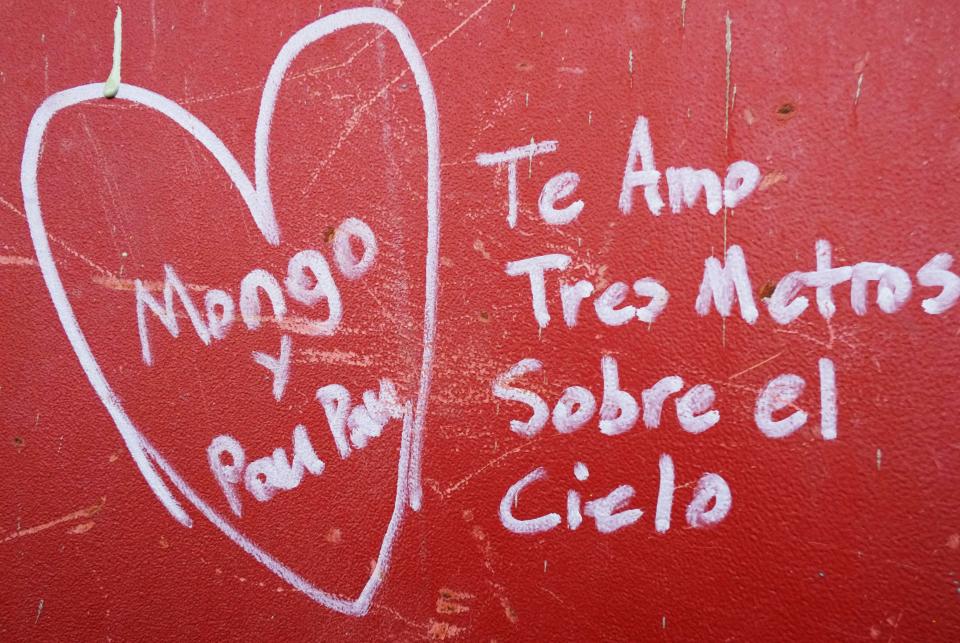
[{"x": 858, "y": 538}]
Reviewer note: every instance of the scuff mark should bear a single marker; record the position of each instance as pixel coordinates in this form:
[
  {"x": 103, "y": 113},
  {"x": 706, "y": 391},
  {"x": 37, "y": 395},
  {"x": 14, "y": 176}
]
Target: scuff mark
[
  {"x": 334, "y": 536},
  {"x": 129, "y": 285},
  {"x": 87, "y": 512},
  {"x": 15, "y": 260},
  {"x": 348, "y": 358},
  {"x": 441, "y": 631},
  {"x": 771, "y": 180},
  {"x": 479, "y": 247},
  {"x": 82, "y": 528},
  {"x": 451, "y": 602}
]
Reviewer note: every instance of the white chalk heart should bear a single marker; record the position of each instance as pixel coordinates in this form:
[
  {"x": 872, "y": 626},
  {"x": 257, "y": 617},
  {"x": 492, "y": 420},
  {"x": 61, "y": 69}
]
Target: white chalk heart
[{"x": 257, "y": 196}]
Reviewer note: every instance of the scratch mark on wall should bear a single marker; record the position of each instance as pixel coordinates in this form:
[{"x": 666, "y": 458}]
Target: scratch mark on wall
[
  {"x": 58, "y": 241},
  {"x": 312, "y": 72},
  {"x": 46, "y": 65},
  {"x": 16, "y": 260},
  {"x": 111, "y": 282},
  {"x": 484, "y": 547},
  {"x": 398, "y": 616},
  {"x": 456, "y": 486},
  {"x": 153, "y": 28},
  {"x": 354, "y": 119},
  {"x": 110, "y": 184},
  {"x": 728, "y": 47},
  {"x": 349, "y": 358},
  {"x": 859, "y": 69},
  {"x": 757, "y": 365},
  {"x": 87, "y": 512}
]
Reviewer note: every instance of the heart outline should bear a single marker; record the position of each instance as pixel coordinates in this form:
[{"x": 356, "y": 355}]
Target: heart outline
[{"x": 259, "y": 202}]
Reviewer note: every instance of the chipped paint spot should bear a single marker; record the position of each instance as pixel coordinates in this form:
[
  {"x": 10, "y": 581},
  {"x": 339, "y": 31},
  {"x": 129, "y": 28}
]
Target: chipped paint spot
[
  {"x": 479, "y": 247},
  {"x": 441, "y": 631},
  {"x": 334, "y": 536},
  {"x": 452, "y": 602},
  {"x": 14, "y": 260},
  {"x": 771, "y": 180},
  {"x": 82, "y": 528},
  {"x": 786, "y": 111}
]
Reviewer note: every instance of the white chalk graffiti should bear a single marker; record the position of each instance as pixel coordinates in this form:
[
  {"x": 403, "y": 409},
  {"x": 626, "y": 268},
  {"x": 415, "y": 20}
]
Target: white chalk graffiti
[{"x": 257, "y": 196}]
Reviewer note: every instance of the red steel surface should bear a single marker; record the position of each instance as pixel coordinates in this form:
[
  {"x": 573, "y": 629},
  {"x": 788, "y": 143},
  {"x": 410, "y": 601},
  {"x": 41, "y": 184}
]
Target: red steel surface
[{"x": 851, "y": 112}]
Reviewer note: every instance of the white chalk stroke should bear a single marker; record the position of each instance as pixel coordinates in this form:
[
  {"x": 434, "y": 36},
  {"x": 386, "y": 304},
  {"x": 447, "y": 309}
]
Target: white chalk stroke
[{"x": 256, "y": 195}]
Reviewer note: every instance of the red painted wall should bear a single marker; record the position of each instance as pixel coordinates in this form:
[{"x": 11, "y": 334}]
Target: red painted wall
[{"x": 851, "y": 113}]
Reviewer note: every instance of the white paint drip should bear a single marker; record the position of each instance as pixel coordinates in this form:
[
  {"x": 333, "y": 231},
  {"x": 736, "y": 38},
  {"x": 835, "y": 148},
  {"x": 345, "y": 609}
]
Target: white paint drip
[{"x": 112, "y": 85}]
